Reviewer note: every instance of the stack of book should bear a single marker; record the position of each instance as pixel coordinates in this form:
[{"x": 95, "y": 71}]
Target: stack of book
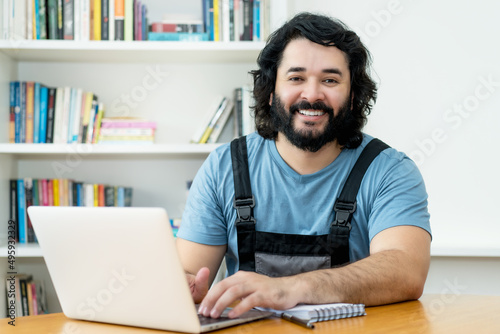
[
  {"x": 40, "y": 114},
  {"x": 126, "y": 130},
  {"x": 80, "y": 20},
  {"x": 211, "y": 128},
  {"x": 222, "y": 20},
  {"x": 26, "y": 294},
  {"x": 58, "y": 192},
  {"x": 244, "y": 122}
]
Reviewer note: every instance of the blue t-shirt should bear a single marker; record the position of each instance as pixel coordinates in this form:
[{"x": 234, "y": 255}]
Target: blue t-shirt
[{"x": 392, "y": 193}]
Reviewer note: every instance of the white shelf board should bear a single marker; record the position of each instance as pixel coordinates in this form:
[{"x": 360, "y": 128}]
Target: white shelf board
[
  {"x": 131, "y": 51},
  {"x": 101, "y": 149},
  {"x": 23, "y": 250},
  {"x": 457, "y": 251}
]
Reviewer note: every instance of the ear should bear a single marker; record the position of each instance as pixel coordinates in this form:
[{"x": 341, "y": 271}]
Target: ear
[{"x": 271, "y": 99}]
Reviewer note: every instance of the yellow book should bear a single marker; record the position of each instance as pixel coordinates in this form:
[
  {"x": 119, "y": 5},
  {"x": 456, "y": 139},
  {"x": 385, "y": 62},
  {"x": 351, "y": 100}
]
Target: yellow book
[
  {"x": 216, "y": 21},
  {"x": 96, "y": 195},
  {"x": 97, "y": 20},
  {"x": 30, "y": 110},
  {"x": 55, "y": 191}
]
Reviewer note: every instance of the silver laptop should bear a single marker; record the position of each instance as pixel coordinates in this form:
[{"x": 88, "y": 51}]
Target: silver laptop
[{"x": 120, "y": 265}]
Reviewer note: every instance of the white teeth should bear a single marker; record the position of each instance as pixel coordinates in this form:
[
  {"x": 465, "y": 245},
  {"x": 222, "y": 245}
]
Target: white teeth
[{"x": 311, "y": 112}]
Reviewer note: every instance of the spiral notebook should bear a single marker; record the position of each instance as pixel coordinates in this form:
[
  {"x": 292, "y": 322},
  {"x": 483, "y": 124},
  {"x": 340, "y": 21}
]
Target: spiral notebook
[{"x": 323, "y": 312}]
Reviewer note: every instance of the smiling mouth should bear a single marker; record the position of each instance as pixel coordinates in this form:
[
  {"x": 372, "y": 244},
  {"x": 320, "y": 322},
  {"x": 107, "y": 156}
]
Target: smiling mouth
[{"x": 311, "y": 112}]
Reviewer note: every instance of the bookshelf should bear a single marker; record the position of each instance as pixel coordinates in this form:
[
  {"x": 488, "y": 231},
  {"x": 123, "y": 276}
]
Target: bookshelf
[{"x": 158, "y": 173}]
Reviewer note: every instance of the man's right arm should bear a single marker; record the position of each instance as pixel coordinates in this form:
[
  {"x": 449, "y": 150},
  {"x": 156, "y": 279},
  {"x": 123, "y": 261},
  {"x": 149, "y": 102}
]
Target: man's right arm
[{"x": 195, "y": 256}]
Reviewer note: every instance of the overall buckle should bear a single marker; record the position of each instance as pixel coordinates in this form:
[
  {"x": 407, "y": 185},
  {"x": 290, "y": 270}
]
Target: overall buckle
[
  {"x": 244, "y": 209},
  {"x": 343, "y": 213}
]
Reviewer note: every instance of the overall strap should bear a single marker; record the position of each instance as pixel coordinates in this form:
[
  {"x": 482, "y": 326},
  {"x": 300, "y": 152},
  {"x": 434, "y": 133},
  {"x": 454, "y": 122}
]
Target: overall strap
[
  {"x": 244, "y": 203},
  {"x": 345, "y": 205}
]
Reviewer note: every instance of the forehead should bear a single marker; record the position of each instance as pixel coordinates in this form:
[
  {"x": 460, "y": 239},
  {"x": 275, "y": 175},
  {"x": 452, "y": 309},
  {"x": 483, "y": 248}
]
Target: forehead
[{"x": 312, "y": 56}]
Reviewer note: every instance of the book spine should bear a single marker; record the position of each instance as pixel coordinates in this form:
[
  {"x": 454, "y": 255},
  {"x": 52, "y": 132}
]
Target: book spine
[
  {"x": 13, "y": 212},
  {"x": 105, "y": 19},
  {"x": 52, "y": 19},
  {"x": 85, "y": 20},
  {"x": 42, "y": 14},
  {"x": 68, "y": 19},
  {"x": 97, "y": 20},
  {"x": 36, "y": 113},
  {"x": 12, "y": 112},
  {"x": 50, "y": 115},
  {"x": 35, "y": 19},
  {"x": 22, "y": 138},
  {"x": 21, "y": 209},
  {"x": 44, "y": 92},
  {"x": 17, "y": 112},
  {"x": 179, "y": 36},
  {"x": 45, "y": 193},
  {"x": 119, "y": 20},
  {"x": 28, "y": 184},
  {"x": 77, "y": 20},
  {"x": 60, "y": 19},
  {"x": 111, "y": 22},
  {"x": 50, "y": 192},
  {"x": 128, "y": 20},
  {"x": 30, "y": 91}
]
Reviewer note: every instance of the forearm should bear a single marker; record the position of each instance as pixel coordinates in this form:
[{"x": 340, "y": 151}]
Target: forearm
[{"x": 382, "y": 278}]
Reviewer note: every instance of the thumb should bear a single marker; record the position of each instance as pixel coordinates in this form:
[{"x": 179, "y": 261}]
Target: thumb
[{"x": 201, "y": 284}]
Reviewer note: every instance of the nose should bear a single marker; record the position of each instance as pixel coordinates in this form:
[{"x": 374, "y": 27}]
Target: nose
[{"x": 312, "y": 92}]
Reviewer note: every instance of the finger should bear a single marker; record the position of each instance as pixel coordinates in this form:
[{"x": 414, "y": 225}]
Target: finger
[
  {"x": 229, "y": 297},
  {"x": 243, "y": 306},
  {"x": 215, "y": 293},
  {"x": 200, "y": 288}
]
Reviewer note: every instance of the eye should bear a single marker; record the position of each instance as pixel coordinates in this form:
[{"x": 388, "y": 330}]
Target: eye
[
  {"x": 295, "y": 79},
  {"x": 330, "y": 81}
]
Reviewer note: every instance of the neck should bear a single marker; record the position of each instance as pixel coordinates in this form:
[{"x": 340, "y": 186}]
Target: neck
[{"x": 305, "y": 162}]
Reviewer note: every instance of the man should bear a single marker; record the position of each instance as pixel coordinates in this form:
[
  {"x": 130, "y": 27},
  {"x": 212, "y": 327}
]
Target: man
[{"x": 312, "y": 93}]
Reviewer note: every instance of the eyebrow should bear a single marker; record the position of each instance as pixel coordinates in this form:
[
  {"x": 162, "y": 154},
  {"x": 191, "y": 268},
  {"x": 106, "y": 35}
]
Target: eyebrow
[{"x": 326, "y": 70}]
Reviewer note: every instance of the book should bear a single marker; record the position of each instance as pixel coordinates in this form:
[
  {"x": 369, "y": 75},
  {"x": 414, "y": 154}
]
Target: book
[
  {"x": 212, "y": 110},
  {"x": 322, "y": 312},
  {"x": 219, "y": 125},
  {"x": 119, "y": 20},
  {"x": 30, "y": 103},
  {"x": 51, "y": 100},
  {"x": 68, "y": 19},
  {"x": 178, "y": 36},
  {"x": 21, "y": 209},
  {"x": 36, "y": 113},
  {"x": 44, "y": 95},
  {"x": 105, "y": 20},
  {"x": 213, "y": 121},
  {"x": 12, "y": 112}
]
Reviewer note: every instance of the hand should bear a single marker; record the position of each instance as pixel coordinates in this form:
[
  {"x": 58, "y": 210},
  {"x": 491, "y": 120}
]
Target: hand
[
  {"x": 198, "y": 284},
  {"x": 252, "y": 290}
]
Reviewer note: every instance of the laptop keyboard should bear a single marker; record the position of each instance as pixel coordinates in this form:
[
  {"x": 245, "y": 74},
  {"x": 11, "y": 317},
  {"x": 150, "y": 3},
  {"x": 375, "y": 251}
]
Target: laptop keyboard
[{"x": 208, "y": 320}]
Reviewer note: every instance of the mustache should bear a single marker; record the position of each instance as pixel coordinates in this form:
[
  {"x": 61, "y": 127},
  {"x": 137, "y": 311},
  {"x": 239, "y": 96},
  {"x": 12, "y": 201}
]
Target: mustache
[{"x": 314, "y": 106}]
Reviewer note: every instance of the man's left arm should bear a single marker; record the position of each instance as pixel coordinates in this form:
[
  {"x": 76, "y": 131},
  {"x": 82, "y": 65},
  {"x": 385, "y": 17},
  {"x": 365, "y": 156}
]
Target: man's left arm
[{"x": 395, "y": 271}]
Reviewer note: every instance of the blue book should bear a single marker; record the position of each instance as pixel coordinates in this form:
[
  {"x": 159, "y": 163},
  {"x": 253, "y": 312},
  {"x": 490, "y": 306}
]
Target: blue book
[
  {"x": 120, "y": 196},
  {"x": 36, "y": 15},
  {"x": 79, "y": 194},
  {"x": 21, "y": 210},
  {"x": 44, "y": 98},
  {"x": 211, "y": 30},
  {"x": 12, "y": 112},
  {"x": 17, "y": 111},
  {"x": 256, "y": 20},
  {"x": 36, "y": 113},
  {"x": 178, "y": 36}
]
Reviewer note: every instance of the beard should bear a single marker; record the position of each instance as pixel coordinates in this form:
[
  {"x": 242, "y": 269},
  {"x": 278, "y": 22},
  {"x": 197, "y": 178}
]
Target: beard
[{"x": 311, "y": 140}]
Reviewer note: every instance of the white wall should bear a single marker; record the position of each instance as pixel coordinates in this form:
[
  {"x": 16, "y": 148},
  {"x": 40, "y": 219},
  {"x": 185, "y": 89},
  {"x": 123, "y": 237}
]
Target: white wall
[{"x": 438, "y": 69}]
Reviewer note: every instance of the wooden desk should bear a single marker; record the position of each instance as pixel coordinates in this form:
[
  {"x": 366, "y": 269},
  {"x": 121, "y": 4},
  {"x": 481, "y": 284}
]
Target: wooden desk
[{"x": 431, "y": 314}]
